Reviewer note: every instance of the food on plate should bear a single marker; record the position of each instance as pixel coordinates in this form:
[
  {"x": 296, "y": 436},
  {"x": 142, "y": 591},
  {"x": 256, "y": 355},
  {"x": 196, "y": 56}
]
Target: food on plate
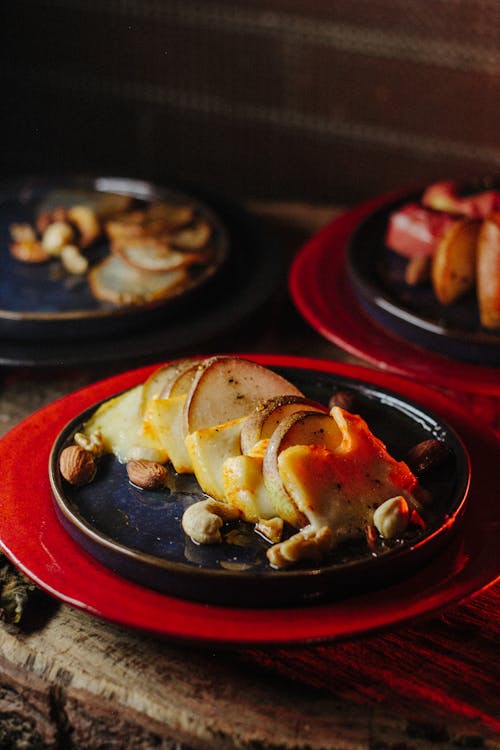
[
  {"x": 307, "y": 476},
  {"x": 153, "y": 248},
  {"x": 450, "y": 241},
  {"x": 488, "y": 271},
  {"x": 115, "y": 281},
  {"x": 446, "y": 196},
  {"x": 453, "y": 268},
  {"x": 414, "y": 230}
]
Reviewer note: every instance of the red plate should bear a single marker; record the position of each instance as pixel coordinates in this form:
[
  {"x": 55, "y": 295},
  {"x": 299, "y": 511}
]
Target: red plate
[
  {"x": 33, "y": 539},
  {"x": 322, "y": 293}
]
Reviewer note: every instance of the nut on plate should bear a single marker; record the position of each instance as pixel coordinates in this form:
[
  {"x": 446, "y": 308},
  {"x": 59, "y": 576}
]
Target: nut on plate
[
  {"x": 427, "y": 455},
  {"x": 148, "y": 475},
  {"x": 77, "y": 466}
]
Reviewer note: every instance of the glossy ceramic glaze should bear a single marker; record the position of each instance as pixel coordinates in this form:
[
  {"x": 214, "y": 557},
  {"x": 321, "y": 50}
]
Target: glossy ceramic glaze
[
  {"x": 413, "y": 312},
  {"x": 139, "y": 534},
  {"x": 323, "y": 294},
  {"x": 32, "y": 537},
  {"x": 39, "y": 301}
]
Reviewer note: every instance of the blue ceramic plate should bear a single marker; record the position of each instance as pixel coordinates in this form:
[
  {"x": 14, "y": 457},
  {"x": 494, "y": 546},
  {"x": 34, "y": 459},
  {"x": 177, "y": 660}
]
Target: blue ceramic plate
[
  {"x": 39, "y": 301},
  {"x": 377, "y": 277},
  {"x": 232, "y": 301},
  {"x": 138, "y": 534}
]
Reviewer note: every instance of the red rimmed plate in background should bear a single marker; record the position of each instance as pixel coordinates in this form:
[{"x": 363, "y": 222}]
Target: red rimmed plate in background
[
  {"x": 322, "y": 292},
  {"x": 37, "y": 543}
]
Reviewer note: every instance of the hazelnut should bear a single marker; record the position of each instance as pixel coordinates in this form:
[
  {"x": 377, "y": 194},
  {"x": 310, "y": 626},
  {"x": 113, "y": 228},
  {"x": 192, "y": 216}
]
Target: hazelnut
[
  {"x": 426, "y": 455},
  {"x": 343, "y": 398},
  {"x": 77, "y": 466},
  {"x": 148, "y": 475}
]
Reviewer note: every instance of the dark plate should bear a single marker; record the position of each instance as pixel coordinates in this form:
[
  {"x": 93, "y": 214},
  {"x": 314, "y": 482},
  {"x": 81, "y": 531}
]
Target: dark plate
[
  {"x": 138, "y": 534},
  {"x": 377, "y": 277},
  {"x": 229, "y": 302},
  {"x": 32, "y": 537},
  {"x": 38, "y": 301},
  {"x": 324, "y": 296}
]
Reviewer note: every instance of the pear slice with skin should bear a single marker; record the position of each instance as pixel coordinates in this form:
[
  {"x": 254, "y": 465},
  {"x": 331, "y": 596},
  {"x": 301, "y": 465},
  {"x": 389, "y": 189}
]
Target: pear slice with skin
[
  {"x": 337, "y": 482},
  {"x": 227, "y": 388},
  {"x": 244, "y": 486},
  {"x": 154, "y": 255},
  {"x": 113, "y": 280},
  {"x": 165, "y": 416},
  {"x": 266, "y": 417},
  {"x": 161, "y": 379},
  {"x": 208, "y": 449},
  {"x": 299, "y": 428}
]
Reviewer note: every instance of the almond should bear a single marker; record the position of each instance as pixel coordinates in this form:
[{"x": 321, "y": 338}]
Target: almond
[
  {"x": 148, "y": 475},
  {"x": 77, "y": 466}
]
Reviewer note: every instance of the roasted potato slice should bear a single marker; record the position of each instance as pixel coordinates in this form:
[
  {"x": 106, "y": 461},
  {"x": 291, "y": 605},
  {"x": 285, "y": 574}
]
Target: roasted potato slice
[
  {"x": 114, "y": 281},
  {"x": 155, "y": 255},
  {"x": 488, "y": 272},
  {"x": 453, "y": 271}
]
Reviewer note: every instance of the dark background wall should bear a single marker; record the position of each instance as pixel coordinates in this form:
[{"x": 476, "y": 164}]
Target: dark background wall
[{"x": 289, "y": 99}]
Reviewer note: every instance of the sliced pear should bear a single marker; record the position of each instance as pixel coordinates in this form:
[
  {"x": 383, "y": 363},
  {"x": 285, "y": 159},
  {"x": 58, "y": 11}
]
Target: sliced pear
[
  {"x": 115, "y": 281},
  {"x": 453, "y": 271},
  {"x": 182, "y": 383},
  {"x": 244, "y": 486},
  {"x": 299, "y": 428},
  {"x": 165, "y": 417},
  {"x": 227, "y": 388},
  {"x": 118, "y": 422},
  {"x": 172, "y": 215},
  {"x": 160, "y": 379},
  {"x": 194, "y": 237},
  {"x": 208, "y": 449},
  {"x": 488, "y": 272},
  {"x": 262, "y": 422},
  {"x": 154, "y": 255}
]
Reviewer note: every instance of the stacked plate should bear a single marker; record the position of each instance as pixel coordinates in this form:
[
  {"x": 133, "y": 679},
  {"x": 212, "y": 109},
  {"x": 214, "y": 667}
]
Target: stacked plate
[
  {"x": 200, "y": 285},
  {"x": 350, "y": 287}
]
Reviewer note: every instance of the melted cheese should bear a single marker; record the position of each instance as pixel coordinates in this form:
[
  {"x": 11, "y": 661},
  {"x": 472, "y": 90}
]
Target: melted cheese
[
  {"x": 208, "y": 449},
  {"x": 341, "y": 489},
  {"x": 119, "y": 422}
]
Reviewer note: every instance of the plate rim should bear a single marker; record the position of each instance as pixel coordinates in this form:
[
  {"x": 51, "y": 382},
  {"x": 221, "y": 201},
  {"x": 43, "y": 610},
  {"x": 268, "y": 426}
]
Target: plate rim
[{"x": 464, "y": 573}]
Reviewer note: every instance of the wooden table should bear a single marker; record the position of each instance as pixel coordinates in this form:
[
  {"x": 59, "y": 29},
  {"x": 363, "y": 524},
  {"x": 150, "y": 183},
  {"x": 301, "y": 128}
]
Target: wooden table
[{"x": 69, "y": 680}]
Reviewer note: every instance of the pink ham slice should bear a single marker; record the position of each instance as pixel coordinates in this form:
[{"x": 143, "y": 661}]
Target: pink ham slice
[
  {"x": 445, "y": 196},
  {"x": 414, "y": 231}
]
